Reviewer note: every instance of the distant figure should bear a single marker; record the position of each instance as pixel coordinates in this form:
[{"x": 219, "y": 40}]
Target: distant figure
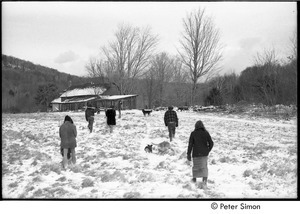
[
  {"x": 111, "y": 117},
  {"x": 200, "y": 145},
  {"x": 89, "y": 116},
  {"x": 68, "y": 134},
  {"x": 146, "y": 111},
  {"x": 171, "y": 120},
  {"x": 120, "y": 107}
]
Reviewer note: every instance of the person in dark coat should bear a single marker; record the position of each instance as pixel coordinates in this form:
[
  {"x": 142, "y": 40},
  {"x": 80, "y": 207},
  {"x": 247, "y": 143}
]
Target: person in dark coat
[
  {"x": 68, "y": 134},
  {"x": 89, "y": 116},
  {"x": 111, "y": 117},
  {"x": 200, "y": 145},
  {"x": 120, "y": 103},
  {"x": 171, "y": 120}
]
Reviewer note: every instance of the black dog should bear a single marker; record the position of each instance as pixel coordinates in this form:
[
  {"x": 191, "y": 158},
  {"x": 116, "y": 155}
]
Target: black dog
[
  {"x": 68, "y": 154},
  {"x": 148, "y": 148},
  {"x": 146, "y": 111}
]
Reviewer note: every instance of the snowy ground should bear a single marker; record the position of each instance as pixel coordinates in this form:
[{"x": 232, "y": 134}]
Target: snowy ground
[{"x": 252, "y": 158}]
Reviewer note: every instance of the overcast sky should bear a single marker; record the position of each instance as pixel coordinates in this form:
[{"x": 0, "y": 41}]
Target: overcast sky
[{"x": 64, "y": 35}]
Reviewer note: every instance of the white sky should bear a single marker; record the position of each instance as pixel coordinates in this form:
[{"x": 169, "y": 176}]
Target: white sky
[{"x": 64, "y": 35}]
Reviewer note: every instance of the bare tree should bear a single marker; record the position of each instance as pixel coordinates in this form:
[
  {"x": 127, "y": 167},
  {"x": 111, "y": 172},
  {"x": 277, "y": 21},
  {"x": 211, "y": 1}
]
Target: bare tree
[
  {"x": 179, "y": 73},
  {"x": 267, "y": 83},
  {"x": 161, "y": 67},
  {"x": 180, "y": 80},
  {"x": 267, "y": 57},
  {"x": 293, "y": 46},
  {"x": 201, "y": 51},
  {"x": 150, "y": 87},
  {"x": 126, "y": 58}
]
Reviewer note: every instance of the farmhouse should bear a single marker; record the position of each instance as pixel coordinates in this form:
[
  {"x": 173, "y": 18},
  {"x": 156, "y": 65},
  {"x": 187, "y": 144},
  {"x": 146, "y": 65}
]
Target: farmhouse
[{"x": 100, "y": 97}]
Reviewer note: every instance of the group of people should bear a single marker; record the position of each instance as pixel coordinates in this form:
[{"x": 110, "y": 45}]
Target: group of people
[
  {"x": 68, "y": 132},
  {"x": 110, "y": 114},
  {"x": 199, "y": 147}
]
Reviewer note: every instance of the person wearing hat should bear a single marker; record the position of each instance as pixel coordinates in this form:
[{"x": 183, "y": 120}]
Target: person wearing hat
[
  {"x": 89, "y": 116},
  {"x": 200, "y": 145},
  {"x": 171, "y": 121}
]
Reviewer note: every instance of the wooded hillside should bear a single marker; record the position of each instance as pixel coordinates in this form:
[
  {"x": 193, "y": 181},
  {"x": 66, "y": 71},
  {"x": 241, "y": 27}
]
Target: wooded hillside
[{"x": 21, "y": 80}]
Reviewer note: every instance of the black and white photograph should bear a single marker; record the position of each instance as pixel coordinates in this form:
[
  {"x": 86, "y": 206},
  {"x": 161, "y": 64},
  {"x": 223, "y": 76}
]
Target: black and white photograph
[{"x": 149, "y": 100}]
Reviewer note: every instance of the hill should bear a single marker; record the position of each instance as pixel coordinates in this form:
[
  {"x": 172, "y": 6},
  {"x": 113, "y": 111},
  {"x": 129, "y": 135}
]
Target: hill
[{"x": 21, "y": 79}]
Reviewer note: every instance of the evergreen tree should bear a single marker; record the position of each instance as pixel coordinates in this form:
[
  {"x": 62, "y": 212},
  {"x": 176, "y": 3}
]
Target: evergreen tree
[{"x": 45, "y": 94}]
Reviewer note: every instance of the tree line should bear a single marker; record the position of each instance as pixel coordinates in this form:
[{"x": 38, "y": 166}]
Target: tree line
[{"x": 131, "y": 63}]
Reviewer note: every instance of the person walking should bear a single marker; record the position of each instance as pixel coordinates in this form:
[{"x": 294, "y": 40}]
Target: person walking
[
  {"x": 120, "y": 103},
  {"x": 89, "y": 116},
  {"x": 200, "y": 145},
  {"x": 68, "y": 134},
  {"x": 111, "y": 117},
  {"x": 171, "y": 120}
]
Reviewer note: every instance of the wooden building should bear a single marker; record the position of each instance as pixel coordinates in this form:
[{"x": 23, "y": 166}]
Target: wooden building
[
  {"x": 128, "y": 101},
  {"x": 78, "y": 98}
]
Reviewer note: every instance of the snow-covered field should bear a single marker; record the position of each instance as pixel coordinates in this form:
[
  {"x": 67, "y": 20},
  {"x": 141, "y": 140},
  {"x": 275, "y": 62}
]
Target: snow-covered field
[{"x": 251, "y": 158}]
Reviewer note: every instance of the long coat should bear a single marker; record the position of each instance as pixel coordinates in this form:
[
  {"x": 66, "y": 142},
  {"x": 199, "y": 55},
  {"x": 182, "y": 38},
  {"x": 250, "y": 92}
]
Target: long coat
[
  {"x": 200, "y": 143},
  {"x": 68, "y": 134},
  {"x": 111, "y": 116},
  {"x": 89, "y": 112}
]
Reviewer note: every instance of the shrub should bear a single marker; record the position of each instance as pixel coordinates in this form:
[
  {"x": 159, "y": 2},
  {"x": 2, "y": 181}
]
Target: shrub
[
  {"x": 46, "y": 168},
  {"x": 115, "y": 176},
  {"x": 264, "y": 167},
  {"x": 257, "y": 186},
  {"x": 224, "y": 159},
  {"x": 146, "y": 177},
  {"x": 59, "y": 191},
  {"x": 105, "y": 178},
  {"x": 76, "y": 169},
  {"x": 132, "y": 195},
  {"x": 38, "y": 193},
  {"x": 37, "y": 179},
  {"x": 87, "y": 182},
  {"x": 13, "y": 185},
  {"x": 55, "y": 168},
  {"x": 214, "y": 97},
  {"x": 247, "y": 173},
  {"x": 62, "y": 179},
  {"x": 126, "y": 157}
]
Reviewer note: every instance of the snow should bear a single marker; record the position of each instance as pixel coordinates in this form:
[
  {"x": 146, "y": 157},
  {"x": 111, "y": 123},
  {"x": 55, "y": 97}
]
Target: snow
[
  {"x": 83, "y": 92},
  {"x": 116, "y": 97},
  {"x": 57, "y": 100},
  {"x": 252, "y": 157}
]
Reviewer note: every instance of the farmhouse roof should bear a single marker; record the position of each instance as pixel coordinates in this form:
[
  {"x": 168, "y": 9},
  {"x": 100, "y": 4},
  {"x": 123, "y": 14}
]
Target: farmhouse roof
[
  {"x": 84, "y": 92},
  {"x": 74, "y": 100},
  {"x": 116, "y": 97},
  {"x": 58, "y": 100}
]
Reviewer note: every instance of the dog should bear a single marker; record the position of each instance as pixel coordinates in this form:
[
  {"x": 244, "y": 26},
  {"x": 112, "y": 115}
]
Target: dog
[
  {"x": 162, "y": 147},
  {"x": 148, "y": 148},
  {"x": 146, "y": 111},
  {"x": 183, "y": 108}
]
